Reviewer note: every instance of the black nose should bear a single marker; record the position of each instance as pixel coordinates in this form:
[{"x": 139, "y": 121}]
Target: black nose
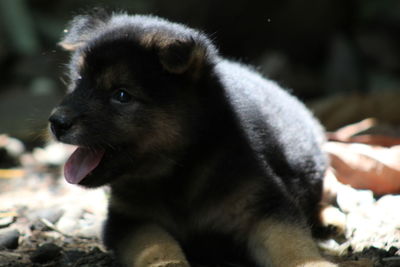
[{"x": 61, "y": 122}]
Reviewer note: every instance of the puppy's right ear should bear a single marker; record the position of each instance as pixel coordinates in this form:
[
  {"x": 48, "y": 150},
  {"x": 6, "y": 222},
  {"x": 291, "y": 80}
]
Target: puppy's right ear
[{"x": 82, "y": 28}]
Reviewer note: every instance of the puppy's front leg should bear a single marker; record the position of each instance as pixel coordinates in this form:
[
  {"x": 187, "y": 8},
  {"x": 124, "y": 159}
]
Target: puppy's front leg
[
  {"x": 151, "y": 246},
  {"x": 143, "y": 245},
  {"x": 279, "y": 244}
]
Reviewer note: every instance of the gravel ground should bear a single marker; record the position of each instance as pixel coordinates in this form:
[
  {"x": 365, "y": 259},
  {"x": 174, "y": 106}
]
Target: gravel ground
[{"x": 46, "y": 222}]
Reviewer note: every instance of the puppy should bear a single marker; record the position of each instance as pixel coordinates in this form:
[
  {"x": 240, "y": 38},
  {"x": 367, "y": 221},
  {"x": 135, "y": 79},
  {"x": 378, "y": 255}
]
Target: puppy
[{"x": 208, "y": 162}]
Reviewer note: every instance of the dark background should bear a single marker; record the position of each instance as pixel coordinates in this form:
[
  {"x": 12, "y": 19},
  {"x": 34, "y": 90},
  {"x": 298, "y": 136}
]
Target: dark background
[{"x": 316, "y": 48}]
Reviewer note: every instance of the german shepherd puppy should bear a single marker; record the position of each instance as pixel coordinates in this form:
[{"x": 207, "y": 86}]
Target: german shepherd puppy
[{"x": 208, "y": 162}]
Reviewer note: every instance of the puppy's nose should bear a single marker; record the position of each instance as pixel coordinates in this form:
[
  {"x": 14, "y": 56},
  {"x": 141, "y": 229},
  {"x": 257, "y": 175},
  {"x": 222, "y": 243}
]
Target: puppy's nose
[{"x": 61, "y": 121}]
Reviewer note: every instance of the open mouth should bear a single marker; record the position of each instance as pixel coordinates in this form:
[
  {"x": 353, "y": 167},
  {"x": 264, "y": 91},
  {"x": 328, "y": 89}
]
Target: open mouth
[{"x": 81, "y": 163}]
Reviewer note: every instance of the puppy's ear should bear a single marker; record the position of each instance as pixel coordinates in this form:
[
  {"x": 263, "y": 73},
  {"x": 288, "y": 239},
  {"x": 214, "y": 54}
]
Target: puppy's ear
[
  {"x": 179, "y": 56},
  {"x": 82, "y": 27}
]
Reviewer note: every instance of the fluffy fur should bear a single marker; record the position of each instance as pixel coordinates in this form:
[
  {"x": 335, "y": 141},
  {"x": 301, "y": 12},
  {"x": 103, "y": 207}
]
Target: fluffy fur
[{"x": 208, "y": 162}]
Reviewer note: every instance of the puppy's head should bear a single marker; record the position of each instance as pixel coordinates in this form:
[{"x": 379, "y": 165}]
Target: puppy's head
[{"x": 132, "y": 95}]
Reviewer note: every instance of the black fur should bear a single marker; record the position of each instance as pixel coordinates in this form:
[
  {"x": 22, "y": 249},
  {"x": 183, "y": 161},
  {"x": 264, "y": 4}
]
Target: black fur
[{"x": 200, "y": 130}]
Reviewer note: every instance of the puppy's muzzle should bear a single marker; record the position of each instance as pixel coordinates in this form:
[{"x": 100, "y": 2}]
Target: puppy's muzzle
[{"x": 61, "y": 122}]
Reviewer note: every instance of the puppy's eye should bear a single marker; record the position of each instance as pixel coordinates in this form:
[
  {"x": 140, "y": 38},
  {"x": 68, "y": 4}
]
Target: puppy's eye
[{"x": 121, "y": 96}]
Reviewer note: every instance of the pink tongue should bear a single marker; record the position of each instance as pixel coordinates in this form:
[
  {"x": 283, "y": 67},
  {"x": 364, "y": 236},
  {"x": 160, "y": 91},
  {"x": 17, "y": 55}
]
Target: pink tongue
[{"x": 81, "y": 163}]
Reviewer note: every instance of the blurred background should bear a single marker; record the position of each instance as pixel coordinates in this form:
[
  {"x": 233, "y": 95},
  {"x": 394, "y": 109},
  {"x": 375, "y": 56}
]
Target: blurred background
[{"x": 340, "y": 56}]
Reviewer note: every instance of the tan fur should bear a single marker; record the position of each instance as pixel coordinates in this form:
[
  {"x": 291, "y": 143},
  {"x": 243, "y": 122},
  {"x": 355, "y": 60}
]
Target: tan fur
[
  {"x": 155, "y": 39},
  {"x": 71, "y": 46},
  {"x": 167, "y": 133},
  {"x": 330, "y": 215},
  {"x": 278, "y": 244},
  {"x": 232, "y": 214},
  {"x": 202, "y": 171},
  {"x": 162, "y": 41},
  {"x": 193, "y": 64},
  {"x": 117, "y": 72},
  {"x": 197, "y": 61},
  {"x": 151, "y": 246}
]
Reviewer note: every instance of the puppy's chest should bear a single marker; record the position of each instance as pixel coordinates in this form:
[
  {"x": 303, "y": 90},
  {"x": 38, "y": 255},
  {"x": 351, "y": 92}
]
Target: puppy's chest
[{"x": 184, "y": 215}]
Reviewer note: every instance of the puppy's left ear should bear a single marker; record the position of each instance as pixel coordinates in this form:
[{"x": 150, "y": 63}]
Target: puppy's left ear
[
  {"x": 81, "y": 28},
  {"x": 180, "y": 56}
]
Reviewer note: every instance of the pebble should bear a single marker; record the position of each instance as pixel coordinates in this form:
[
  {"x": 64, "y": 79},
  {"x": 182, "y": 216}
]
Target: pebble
[
  {"x": 7, "y": 221},
  {"x": 45, "y": 253},
  {"x": 52, "y": 215},
  {"x": 69, "y": 222},
  {"x": 9, "y": 239}
]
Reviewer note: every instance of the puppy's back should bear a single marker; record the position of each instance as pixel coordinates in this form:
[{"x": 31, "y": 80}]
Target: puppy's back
[{"x": 283, "y": 134}]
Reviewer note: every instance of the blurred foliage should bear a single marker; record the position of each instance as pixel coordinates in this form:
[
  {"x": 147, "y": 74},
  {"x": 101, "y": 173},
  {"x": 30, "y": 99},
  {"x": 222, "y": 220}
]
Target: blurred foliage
[{"x": 380, "y": 9}]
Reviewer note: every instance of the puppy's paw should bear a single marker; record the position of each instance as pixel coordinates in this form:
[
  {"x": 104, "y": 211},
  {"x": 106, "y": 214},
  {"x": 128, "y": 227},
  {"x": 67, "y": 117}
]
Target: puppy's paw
[
  {"x": 334, "y": 219},
  {"x": 170, "y": 263}
]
